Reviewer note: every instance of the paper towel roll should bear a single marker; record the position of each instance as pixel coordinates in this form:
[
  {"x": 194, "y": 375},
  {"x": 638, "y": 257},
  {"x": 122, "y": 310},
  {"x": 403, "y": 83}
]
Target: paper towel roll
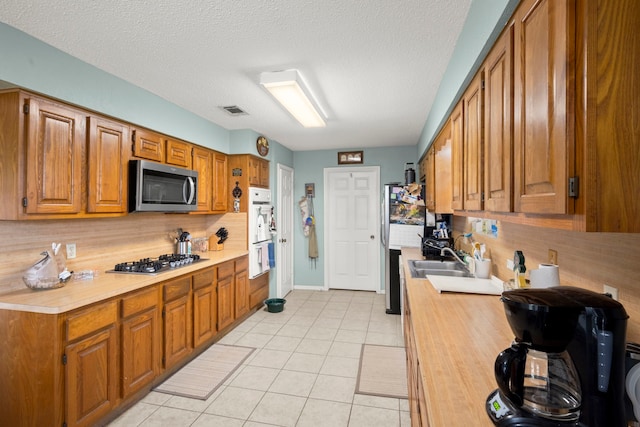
[{"x": 545, "y": 276}]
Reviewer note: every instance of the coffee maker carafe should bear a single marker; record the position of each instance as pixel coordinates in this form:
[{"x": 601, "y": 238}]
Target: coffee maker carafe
[{"x": 566, "y": 365}]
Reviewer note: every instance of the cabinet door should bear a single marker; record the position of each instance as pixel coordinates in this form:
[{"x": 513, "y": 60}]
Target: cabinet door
[
  {"x": 91, "y": 378},
  {"x": 241, "y": 293},
  {"x": 264, "y": 173},
  {"x": 254, "y": 171},
  {"x": 498, "y": 117},
  {"x": 226, "y": 294},
  {"x": 457, "y": 139},
  {"x": 178, "y": 153},
  {"x": 202, "y": 159},
  {"x": 140, "y": 351},
  {"x": 220, "y": 188},
  {"x": 205, "y": 316},
  {"x": 177, "y": 330},
  {"x": 443, "y": 171},
  {"x": 429, "y": 163},
  {"x": 472, "y": 145},
  {"x": 107, "y": 166},
  {"x": 148, "y": 145},
  {"x": 543, "y": 111},
  {"x": 55, "y": 157}
]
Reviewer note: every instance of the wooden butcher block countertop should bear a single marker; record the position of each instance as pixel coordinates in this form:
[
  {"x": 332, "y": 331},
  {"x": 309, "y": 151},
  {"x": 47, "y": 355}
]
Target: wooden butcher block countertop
[
  {"x": 458, "y": 337},
  {"x": 80, "y": 293}
]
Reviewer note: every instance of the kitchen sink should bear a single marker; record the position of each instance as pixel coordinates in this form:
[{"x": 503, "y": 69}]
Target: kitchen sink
[{"x": 422, "y": 268}]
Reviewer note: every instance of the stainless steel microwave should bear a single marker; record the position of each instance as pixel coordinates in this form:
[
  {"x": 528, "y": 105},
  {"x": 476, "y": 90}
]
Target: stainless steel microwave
[{"x": 155, "y": 187}]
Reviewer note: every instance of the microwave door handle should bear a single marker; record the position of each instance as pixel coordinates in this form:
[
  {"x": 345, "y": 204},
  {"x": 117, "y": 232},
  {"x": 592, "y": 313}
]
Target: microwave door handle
[{"x": 192, "y": 191}]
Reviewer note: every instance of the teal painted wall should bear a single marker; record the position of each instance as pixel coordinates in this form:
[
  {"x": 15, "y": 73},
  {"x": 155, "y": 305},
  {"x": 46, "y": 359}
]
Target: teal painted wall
[
  {"x": 485, "y": 21},
  {"x": 37, "y": 66},
  {"x": 309, "y": 168}
]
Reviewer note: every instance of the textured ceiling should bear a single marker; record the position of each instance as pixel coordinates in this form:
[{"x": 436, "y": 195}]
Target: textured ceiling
[{"x": 374, "y": 65}]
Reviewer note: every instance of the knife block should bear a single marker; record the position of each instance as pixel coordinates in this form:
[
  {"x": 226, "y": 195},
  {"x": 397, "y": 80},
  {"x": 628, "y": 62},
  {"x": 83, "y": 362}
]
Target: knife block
[{"x": 214, "y": 245}]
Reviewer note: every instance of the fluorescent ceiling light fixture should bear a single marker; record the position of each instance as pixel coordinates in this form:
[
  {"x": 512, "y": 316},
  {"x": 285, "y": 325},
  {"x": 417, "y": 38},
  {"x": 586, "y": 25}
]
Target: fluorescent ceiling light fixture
[{"x": 290, "y": 90}]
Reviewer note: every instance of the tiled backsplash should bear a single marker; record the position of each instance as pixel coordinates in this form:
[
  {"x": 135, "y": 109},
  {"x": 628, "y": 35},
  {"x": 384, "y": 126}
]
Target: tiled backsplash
[{"x": 102, "y": 242}]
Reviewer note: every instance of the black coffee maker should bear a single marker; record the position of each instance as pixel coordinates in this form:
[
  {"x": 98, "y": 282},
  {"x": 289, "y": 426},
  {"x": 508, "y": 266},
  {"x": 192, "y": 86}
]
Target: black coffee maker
[{"x": 566, "y": 366}]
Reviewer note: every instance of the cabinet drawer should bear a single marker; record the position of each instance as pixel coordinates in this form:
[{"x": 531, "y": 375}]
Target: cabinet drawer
[
  {"x": 204, "y": 278},
  {"x": 176, "y": 288},
  {"x": 225, "y": 270},
  {"x": 91, "y": 319},
  {"x": 139, "y": 301},
  {"x": 242, "y": 264}
]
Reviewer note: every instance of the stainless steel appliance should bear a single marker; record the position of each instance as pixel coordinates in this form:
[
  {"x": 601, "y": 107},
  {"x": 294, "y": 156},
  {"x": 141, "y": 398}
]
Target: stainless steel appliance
[
  {"x": 567, "y": 364},
  {"x": 155, "y": 187},
  {"x": 157, "y": 265},
  {"x": 403, "y": 217},
  {"x": 259, "y": 230}
]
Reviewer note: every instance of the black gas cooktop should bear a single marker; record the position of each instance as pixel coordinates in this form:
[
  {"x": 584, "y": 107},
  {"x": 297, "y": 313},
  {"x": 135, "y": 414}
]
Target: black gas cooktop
[{"x": 153, "y": 266}]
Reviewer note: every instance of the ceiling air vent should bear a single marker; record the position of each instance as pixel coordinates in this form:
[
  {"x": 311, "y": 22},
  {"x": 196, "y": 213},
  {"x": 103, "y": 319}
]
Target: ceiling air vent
[{"x": 234, "y": 110}]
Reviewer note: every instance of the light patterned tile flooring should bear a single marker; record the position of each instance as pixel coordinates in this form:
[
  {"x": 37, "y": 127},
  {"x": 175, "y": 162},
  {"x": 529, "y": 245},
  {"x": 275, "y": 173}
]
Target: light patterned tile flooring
[{"x": 303, "y": 372}]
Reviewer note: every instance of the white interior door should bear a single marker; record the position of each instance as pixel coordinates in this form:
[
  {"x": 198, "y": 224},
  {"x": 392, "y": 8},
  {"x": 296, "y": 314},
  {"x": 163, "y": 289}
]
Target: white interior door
[
  {"x": 284, "y": 246},
  {"x": 352, "y": 231}
]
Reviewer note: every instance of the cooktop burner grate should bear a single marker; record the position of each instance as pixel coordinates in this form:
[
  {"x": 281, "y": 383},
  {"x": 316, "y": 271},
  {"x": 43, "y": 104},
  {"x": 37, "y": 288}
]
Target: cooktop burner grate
[{"x": 152, "y": 266}]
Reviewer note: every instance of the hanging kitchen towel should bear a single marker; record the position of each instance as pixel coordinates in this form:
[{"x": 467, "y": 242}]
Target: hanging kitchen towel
[
  {"x": 265, "y": 256},
  {"x": 272, "y": 255}
]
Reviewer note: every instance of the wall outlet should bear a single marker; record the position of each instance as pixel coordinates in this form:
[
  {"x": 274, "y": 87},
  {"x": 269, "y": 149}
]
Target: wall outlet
[
  {"x": 510, "y": 264},
  {"x": 71, "y": 250},
  {"x": 611, "y": 291},
  {"x": 553, "y": 257}
]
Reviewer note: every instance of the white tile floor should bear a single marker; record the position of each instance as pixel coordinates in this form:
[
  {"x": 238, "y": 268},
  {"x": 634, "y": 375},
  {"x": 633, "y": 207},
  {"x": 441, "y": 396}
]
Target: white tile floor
[{"x": 303, "y": 372}]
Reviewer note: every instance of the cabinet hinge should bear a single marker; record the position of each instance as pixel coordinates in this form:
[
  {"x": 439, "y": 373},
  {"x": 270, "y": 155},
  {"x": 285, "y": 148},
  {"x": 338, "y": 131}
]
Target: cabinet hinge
[
  {"x": 64, "y": 359},
  {"x": 64, "y": 424},
  {"x": 574, "y": 186},
  {"x": 482, "y": 84},
  {"x": 25, "y": 108},
  {"x": 24, "y": 202},
  {"x": 133, "y": 136},
  {"x": 164, "y": 311}
]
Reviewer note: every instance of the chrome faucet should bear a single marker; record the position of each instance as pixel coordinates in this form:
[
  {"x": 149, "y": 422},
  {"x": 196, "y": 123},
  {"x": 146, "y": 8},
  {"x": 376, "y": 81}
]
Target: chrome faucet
[
  {"x": 455, "y": 255},
  {"x": 444, "y": 250}
]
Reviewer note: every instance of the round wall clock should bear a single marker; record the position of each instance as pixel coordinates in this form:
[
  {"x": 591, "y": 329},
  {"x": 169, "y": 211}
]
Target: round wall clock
[{"x": 262, "y": 145}]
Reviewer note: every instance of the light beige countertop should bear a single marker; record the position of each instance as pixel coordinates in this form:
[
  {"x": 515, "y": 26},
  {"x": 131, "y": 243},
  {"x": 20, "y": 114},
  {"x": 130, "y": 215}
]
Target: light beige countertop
[
  {"x": 458, "y": 337},
  {"x": 79, "y": 293}
]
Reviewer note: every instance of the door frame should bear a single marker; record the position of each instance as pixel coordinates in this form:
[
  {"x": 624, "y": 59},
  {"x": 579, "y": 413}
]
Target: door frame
[
  {"x": 326, "y": 171},
  {"x": 289, "y": 246}
]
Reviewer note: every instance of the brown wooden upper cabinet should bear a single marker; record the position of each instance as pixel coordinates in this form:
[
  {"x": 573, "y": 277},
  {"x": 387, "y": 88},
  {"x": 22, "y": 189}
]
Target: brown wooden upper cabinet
[
  {"x": 457, "y": 157},
  {"x": 107, "y": 165},
  {"x": 498, "y": 129},
  {"x": 472, "y": 144},
  {"x": 178, "y": 153},
  {"x": 203, "y": 164},
  {"x": 428, "y": 172},
  {"x": 248, "y": 171},
  {"x": 147, "y": 144},
  {"x": 543, "y": 53},
  {"x": 443, "y": 170},
  {"x": 55, "y": 147},
  {"x": 220, "y": 183}
]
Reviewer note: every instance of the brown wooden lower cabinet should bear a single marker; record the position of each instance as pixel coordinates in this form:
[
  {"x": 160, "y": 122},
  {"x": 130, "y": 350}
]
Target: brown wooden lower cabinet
[
  {"x": 417, "y": 400},
  {"x": 91, "y": 364},
  {"x": 226, "y": 294},
  {"x": 205, "y": 306},
  {"x": 140, "y": 341},
  {"x": 177, "y": 320},
  {"x": 77, "y": 368}
]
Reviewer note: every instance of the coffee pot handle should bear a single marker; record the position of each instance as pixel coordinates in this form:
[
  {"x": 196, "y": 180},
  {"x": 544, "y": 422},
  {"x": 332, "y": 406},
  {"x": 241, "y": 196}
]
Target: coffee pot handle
[{"x": 509, "y": 372}]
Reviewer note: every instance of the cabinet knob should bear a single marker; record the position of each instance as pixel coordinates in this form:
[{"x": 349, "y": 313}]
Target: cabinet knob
[{"x": 372, "y": 237}]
